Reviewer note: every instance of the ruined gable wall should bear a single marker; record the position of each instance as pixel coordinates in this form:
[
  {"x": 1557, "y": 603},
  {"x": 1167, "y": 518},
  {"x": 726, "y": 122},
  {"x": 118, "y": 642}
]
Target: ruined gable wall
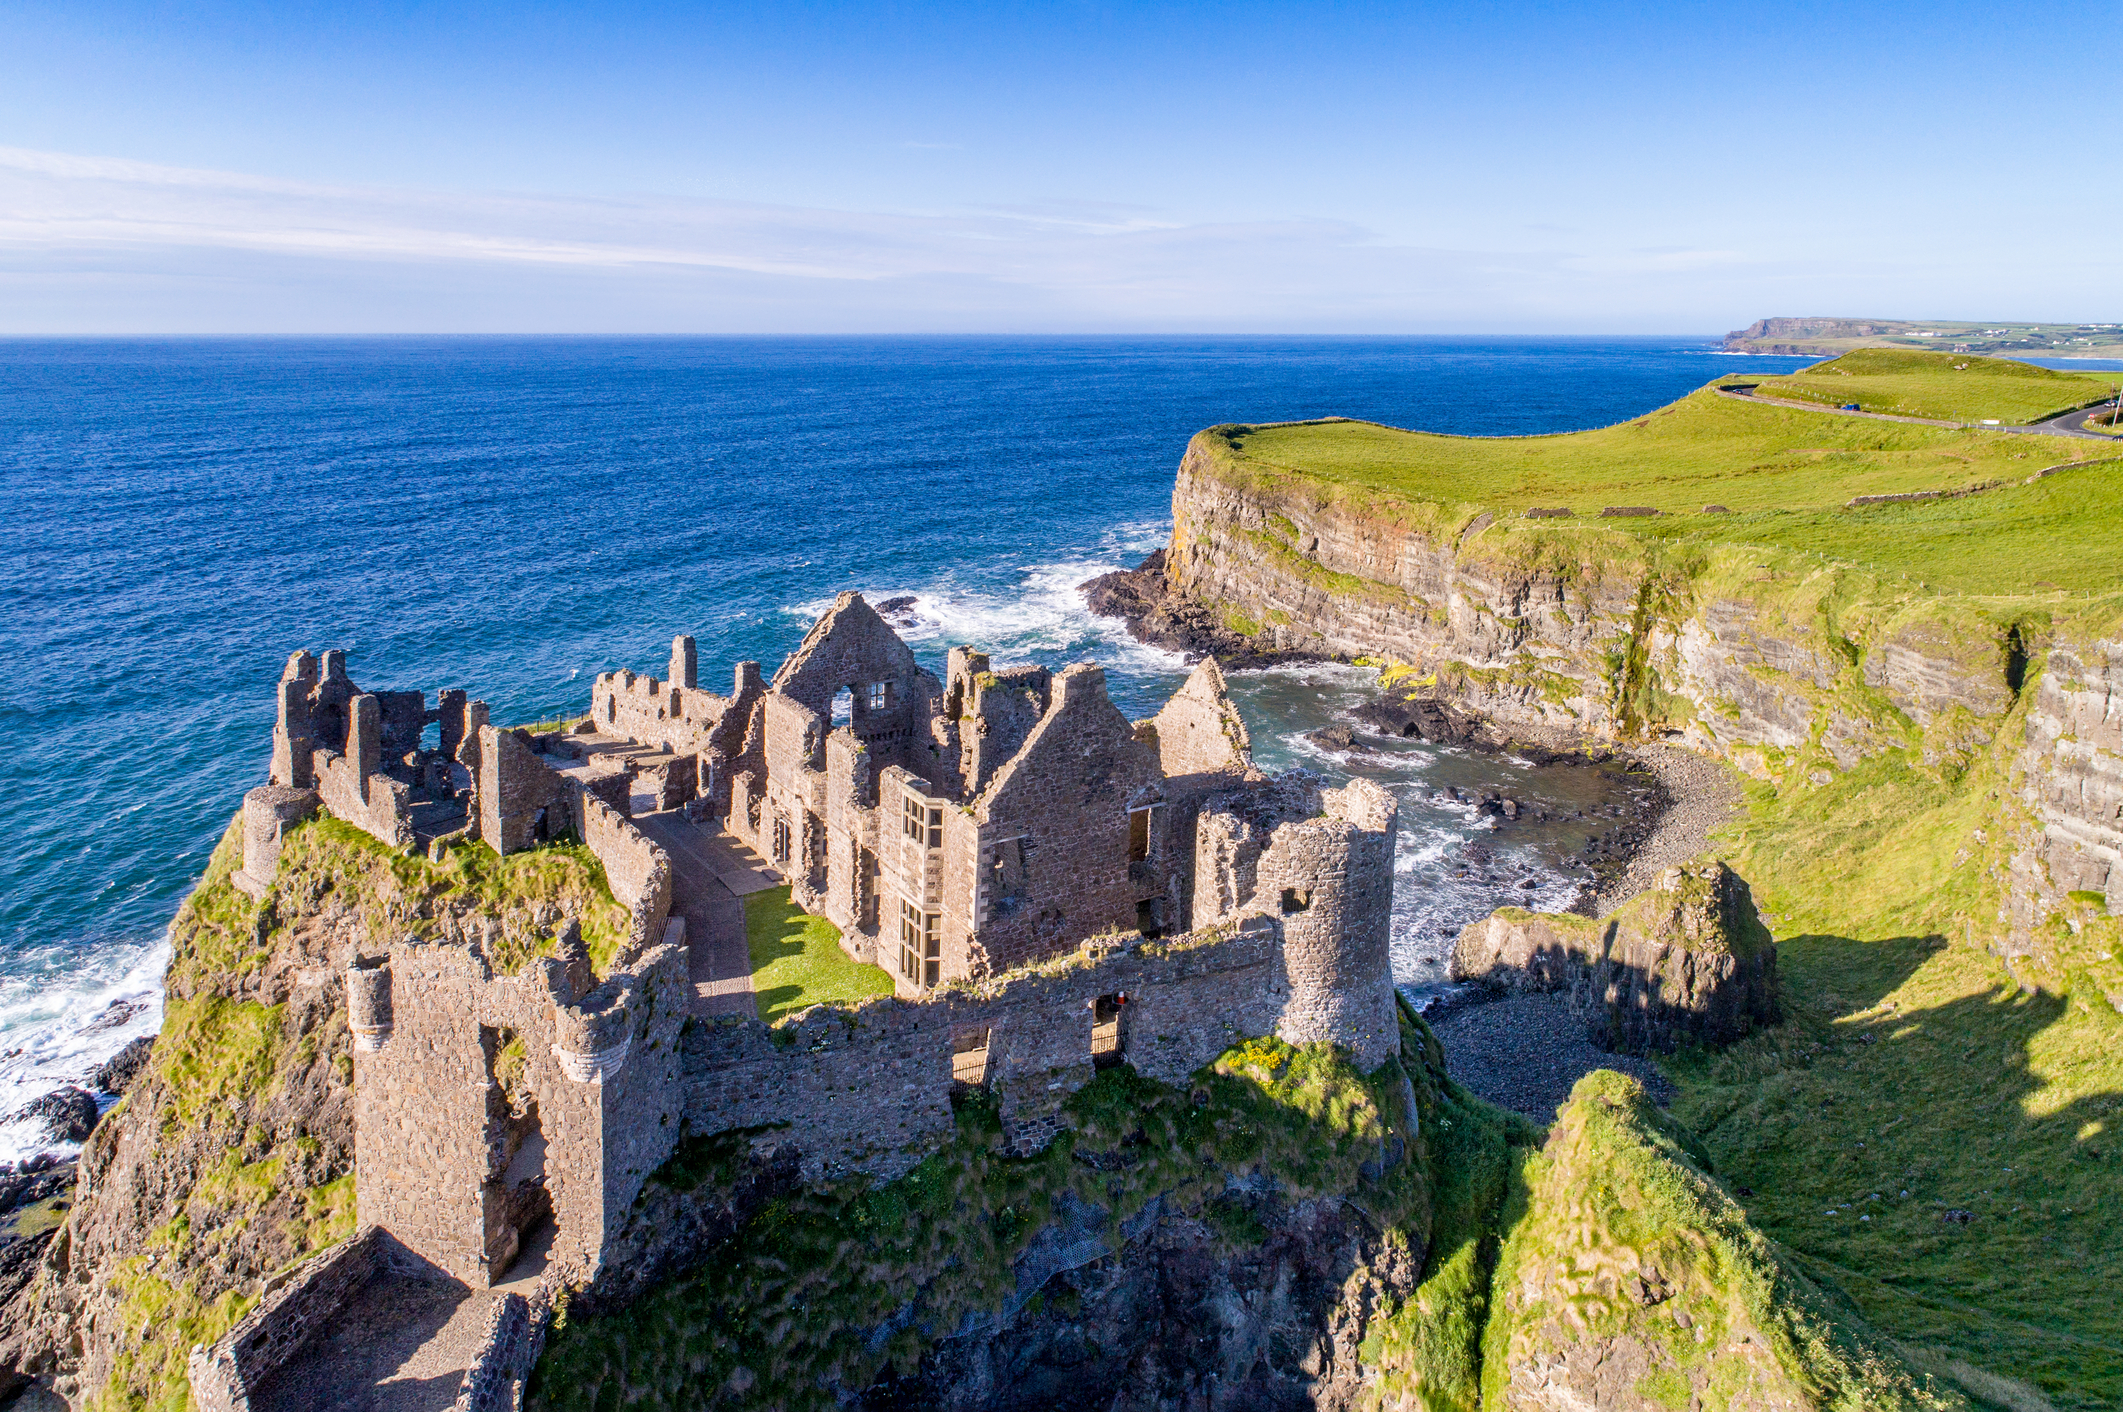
[
  {"x": 1203, "y": 750},
  {"x": 1067, "y": 793},
  {"x": 512, "y": 786},
  {"x": 869, "y": 1090}
]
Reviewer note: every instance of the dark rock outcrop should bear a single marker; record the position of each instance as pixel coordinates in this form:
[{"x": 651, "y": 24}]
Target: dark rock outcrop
[
  {"x": 1180, "y": 1318},
  {"x": 1143, "y": 598},
  {"x": 1687, "y": 961},
  {"x": 116, "y": 1074},
  {"x": 66, "y": 1114}
]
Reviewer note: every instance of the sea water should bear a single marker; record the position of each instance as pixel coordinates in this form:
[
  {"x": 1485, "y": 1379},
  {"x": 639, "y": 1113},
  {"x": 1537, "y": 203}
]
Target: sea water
[{"x": 514, "y": 516}]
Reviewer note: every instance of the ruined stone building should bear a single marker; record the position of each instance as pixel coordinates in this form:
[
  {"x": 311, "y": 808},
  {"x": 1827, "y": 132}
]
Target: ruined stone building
[
  {"x": 959, "y": 832},
  {"x": 952, "y": 829}
]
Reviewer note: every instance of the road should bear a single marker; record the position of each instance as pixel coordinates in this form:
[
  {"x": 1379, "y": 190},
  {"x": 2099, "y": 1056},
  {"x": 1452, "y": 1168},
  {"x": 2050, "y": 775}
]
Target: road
[{"x": 2070, "y": 424}]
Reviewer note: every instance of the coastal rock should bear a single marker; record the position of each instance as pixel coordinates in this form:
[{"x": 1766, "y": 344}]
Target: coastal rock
[
  {"x": 1687, "y": 961},
  {"x": 1143, "y": 597},
  {"x": 116, "y": 1074},
  {"x": 66, "y": 1114}
]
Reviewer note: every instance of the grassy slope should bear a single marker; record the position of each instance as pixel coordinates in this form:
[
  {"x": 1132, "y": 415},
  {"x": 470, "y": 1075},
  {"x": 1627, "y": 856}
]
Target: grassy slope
[
  {"x": 790, "y": 1309},
  {"x": 1913, "y": 1060},
  {"x": 1917, "y": 1077},
  {"x": 1946, "y": 386},
  {"x": 797, "y": 961},
  {"x": 1786, "y": 473},
  {"x": 1617, "y": 1234}
]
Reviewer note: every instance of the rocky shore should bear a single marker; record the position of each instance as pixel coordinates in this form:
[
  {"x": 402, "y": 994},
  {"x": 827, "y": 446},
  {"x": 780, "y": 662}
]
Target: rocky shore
[{"x": 1518, "y": 1049}]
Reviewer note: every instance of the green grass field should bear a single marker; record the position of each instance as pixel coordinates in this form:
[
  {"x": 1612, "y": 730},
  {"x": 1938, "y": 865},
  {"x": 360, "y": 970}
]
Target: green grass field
[
  {"x": 1784, "y": 474},
  {"x": 797, "y": 961},
  {"x": 1942, "y": 386}
]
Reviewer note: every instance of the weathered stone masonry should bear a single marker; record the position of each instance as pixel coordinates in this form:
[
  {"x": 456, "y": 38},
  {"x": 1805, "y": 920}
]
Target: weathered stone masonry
[{"x": 1010, "y": 843}]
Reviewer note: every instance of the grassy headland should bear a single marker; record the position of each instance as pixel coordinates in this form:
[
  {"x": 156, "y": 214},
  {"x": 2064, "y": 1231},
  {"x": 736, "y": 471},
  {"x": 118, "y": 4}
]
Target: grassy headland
[
  {"x": 1785, "y": 476},
  {"x": 1941, "y": 386},
  {"x": 1932, "y": 1131}
]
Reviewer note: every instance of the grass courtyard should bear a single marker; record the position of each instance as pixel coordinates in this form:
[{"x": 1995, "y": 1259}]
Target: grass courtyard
[{"x": 797, "y": 961}]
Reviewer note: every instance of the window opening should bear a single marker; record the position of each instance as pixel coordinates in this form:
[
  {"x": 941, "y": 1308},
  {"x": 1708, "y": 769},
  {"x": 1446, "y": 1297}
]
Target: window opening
[
  {"x": 880, "y": 695},
  {"x": 1296, "y": 899},
  {"x": 1142, "y": 830},
  {"x": 1106, "y": 1040},
  {"x": 924, "y": 823},
  {"x": 781, "y": 839},
  {"x": 969, "y": 1058},
  {"x": 920, "y": 944},
  {"x": 844, "y": 706}
]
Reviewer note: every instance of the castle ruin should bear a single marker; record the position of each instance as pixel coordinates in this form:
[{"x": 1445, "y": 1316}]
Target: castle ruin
[{"x": 1052, "y": 887}]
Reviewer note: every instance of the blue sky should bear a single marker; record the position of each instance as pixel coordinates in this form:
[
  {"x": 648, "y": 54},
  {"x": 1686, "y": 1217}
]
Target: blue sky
[{"x": 1061, "y": 167}]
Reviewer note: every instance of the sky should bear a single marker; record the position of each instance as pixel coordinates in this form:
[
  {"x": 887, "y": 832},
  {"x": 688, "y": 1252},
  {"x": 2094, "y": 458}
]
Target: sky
[{"x": 1021, "y": 168}]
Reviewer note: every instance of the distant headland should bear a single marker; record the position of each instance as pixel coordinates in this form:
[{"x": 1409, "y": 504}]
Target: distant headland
[{"x": 1829, "y": 337}]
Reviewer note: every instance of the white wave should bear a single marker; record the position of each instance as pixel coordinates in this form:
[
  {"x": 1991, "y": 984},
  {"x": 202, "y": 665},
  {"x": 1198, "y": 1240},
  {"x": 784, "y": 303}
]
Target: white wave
[
  {"x": 58, "y": 1026},
  {"x": 1041, "y": 618}
]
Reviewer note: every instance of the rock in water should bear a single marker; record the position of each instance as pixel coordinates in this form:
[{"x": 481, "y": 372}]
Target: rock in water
[
  {"x": 116, "y": 1074},
  {"x": 69, "y": 1114},
  {"x": 1686, "y": 961}
]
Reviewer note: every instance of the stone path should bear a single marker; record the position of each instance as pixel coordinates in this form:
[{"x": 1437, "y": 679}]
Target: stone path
[
  {"x": 400, "y": 1345},
  {"x": 711, "y": 874}
]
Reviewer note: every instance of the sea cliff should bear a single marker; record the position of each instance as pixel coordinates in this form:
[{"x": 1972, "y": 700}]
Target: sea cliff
[{"x": 1794, "y": 668}]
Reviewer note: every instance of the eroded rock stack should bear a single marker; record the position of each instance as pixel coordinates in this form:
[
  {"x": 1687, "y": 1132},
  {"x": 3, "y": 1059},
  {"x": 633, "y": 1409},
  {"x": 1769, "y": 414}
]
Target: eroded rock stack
[{"x": 1687, "y": 961}]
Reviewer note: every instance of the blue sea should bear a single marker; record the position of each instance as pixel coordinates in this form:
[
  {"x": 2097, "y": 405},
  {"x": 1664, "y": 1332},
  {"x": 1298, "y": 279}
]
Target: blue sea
[{"x": 516, "y": 515}]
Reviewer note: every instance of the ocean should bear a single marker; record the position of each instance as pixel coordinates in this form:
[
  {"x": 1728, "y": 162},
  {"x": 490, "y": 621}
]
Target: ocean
[{"x": 516, "y": 515}]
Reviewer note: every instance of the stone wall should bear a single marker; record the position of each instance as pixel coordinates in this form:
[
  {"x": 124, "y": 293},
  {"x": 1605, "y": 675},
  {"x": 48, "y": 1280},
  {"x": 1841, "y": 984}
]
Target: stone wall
[
  {"x": 869, "y": 1089},
  {"x": 487, "y": 1100},
  {"x": 293, "y": 1307},
  {"x": 638, "y": 871}
]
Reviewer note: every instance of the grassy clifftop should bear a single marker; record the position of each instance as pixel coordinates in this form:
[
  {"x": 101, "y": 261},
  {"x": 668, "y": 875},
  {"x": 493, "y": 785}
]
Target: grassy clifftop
[
  {"x": 1945, "y": 386},
  {"x": 1786, "y": 476}
]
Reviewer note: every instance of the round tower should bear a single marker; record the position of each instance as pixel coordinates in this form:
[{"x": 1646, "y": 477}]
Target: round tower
[
  {"x": 1330, "y": 881},
  {"x": 269, "y": 811}
]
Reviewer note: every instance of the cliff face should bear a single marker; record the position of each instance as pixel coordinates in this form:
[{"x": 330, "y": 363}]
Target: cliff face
[
  {"x": 1795, "y": 670},
  {"x": 1758, "y": 656},
  {"x": 231, "y": 1156}
]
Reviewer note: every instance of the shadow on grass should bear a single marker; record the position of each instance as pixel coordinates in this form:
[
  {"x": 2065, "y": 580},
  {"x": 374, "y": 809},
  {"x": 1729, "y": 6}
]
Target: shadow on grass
[
  {"x": 797, "y": 961},
  {"x": 1942, "y": 1146}
]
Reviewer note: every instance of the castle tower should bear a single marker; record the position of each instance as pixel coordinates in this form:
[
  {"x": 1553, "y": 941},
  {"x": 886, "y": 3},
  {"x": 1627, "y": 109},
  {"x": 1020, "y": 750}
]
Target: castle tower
[
  {"x": 685, "y": 663},
  {"x": 1330, "y": 879}
]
